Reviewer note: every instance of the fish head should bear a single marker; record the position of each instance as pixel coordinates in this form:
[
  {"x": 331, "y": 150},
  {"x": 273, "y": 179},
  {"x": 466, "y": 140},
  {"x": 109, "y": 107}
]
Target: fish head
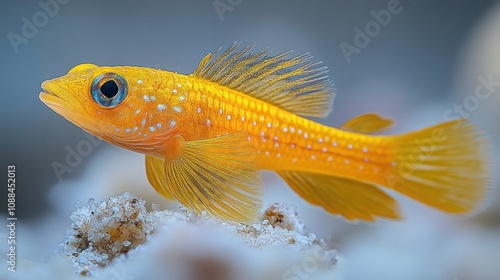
[{"x": 112, "y": 103}]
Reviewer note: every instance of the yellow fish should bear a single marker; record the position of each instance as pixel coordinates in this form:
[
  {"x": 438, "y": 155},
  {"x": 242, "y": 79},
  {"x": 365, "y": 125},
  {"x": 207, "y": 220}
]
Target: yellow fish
[{"x": 206, "y": 136}]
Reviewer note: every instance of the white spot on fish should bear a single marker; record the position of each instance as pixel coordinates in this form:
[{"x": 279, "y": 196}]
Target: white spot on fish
[
  {"x": 158, "y": 125},
  {"x": 262, "y": 133},
  {"x": 276, "y": 144},
  {"x": 128, "y": 130},
  {"x": 285, "y": 129},
  {"x": 220, "y": 111},
  {"x": 269, "y": 125},
  {"x": 137, "y": 111},
  {"x": 292, "y": 146},
  {"x": 349, "y": 146},
  {"x": 278, "y": 155},
  {"x": 143, "y": 123},
  {"x": 117, "y": 129},
  {"x": 145, "y": 135},
  {"x": 174, "y": 91},
  {"x": 306, "y": 135},
  {"x": 152, "y": 128},
  {"x": 242, "y": 118},
  {"x": 249, "y": 138},
  {"x": 161, "y": 107},
  {"x": 254, "y": 123},
  {"x": 320, "y": 140},
  {"x": 324, "y": 150},
  {"x": 335, "y": 144},
  {"x": 299, "y": 131},
  {"x": 146, "y": 98},
  {"x": 172, "y": 124},
  {"x": 308, "y": 147},
  {"x": 181, "y": 98},
  {"x": 228, "y": 117},
  {"x": 177, "y": 109},
  {"x": 153, "y": 98},
  {"x": 179, "y": 85},
  {"x": 266, "y": 153},
  {"x": 275, "y": 138},
  {"x": 329, "y": 158},
  {"x": 135, "y": 128},
  {"x": 313, "y": 157},
  {"x": 208, "y": 122},
  {"x": 292, "y": 129},
  {"x": 198, "y": 110},
  {"x": 365, "y": 150},
  {"x": 139, "y": 81}
]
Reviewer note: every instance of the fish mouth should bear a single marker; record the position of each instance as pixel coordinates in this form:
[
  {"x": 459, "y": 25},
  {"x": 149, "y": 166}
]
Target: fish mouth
[
  {"x": 59, "y": 99},
  {"x": 50, "y": 96}
]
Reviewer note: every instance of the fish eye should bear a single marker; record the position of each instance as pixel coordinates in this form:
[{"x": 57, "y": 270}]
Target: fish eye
[{"x": 109, "y": 89}]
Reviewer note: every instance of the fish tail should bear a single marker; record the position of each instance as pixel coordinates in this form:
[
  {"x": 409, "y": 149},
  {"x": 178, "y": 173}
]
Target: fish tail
[{"x": 444, "y": 166}]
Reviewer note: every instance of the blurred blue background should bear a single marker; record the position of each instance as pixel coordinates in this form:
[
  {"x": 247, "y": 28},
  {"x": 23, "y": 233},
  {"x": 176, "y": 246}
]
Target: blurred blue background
[
  {"x": 413, "y": 68},
  {"x": 409, "y": 63}
]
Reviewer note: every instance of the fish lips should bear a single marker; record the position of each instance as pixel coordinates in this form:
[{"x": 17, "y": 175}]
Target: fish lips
[
  {"x": 54, "y": 96},
  {"x": 50, "y": 97}
]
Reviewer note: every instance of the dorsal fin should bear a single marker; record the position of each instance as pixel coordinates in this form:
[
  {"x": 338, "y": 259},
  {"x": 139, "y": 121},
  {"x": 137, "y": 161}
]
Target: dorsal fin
[
  {"x": 293, "y": 84},
  {"x": 367, "y": 124}
]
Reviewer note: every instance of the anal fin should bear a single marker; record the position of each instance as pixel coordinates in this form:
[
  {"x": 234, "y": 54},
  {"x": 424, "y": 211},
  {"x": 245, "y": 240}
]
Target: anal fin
[{"x": 352, "y": 199}]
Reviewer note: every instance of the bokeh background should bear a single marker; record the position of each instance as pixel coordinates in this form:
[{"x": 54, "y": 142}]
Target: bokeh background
[{"x": 423, "y": 62}]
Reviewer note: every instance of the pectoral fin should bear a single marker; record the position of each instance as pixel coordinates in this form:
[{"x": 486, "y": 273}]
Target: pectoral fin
[
  {"x": 353, "y": 200},
  {"x": 367, "y": 124},
  {"x": 217, "y": 175}
]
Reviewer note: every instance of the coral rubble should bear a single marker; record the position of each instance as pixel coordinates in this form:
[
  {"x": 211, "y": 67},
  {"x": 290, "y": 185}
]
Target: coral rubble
[{"x": 107, "y": 237}]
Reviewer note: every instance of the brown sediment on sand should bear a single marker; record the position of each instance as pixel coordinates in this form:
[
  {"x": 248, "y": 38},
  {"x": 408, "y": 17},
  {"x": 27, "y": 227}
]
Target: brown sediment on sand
[{"x": 109, "y": 232}]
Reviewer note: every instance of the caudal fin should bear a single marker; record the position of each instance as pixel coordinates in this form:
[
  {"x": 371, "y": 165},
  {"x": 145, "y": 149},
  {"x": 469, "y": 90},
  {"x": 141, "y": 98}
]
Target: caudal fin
[{"x": 444, "y": 166}]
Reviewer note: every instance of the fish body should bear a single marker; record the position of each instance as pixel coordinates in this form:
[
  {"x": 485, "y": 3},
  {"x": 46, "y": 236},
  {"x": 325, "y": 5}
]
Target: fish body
[{"x": 206, "y": 135}]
